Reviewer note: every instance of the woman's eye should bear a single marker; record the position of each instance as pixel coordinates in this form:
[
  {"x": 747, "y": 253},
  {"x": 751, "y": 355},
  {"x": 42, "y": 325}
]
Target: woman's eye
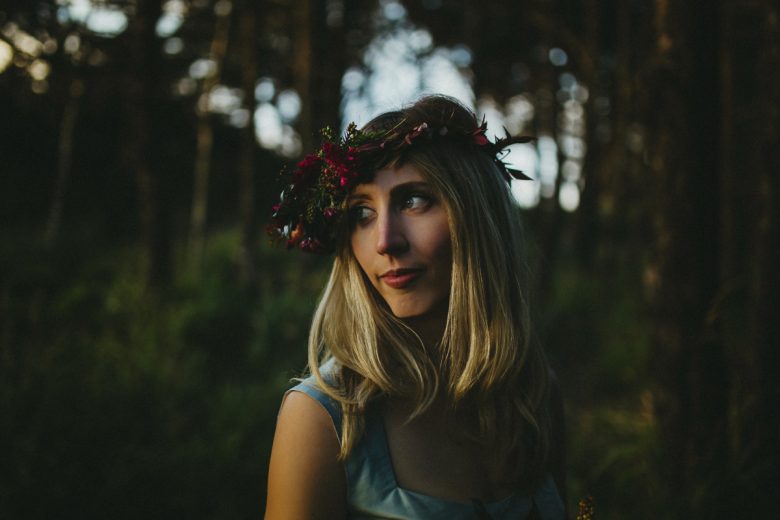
[
  {"x": 416, "y": 202},
  {"x": 359, "y": 214}
]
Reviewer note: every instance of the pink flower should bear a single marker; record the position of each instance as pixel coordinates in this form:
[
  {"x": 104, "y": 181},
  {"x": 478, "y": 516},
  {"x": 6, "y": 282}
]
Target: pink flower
[
  {"x": 478, "y": 136},
  {"x": 480, "y": 139},
  {"x": 415, "y": 133}
]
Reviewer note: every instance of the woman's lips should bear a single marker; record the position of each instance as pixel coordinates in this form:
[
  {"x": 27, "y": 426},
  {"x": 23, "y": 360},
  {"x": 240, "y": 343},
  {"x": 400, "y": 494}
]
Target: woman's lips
[{"x": 400, "y": 278}]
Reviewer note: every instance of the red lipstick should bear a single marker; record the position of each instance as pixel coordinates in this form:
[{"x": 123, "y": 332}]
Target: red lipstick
[{"x": 400, "y": 278}]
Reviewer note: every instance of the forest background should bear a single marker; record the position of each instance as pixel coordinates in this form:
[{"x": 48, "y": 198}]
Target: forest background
[{"x": 148, "y": 329}]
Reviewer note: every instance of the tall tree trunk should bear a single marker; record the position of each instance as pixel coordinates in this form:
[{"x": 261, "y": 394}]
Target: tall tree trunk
[
  {"x": 329, "y": 57},
  {"x": 547, "y": 121},
  {"x": 750, "y": 249},
  {"x": 766, "y": 286},
  {"x": 683, "y": 123},
  {"x": 64, "y": 159},
  {"x": 205, "y": 136},
  {"x": 302, "y": 65},
  {"x": 246, "y": 203},
  {"x": 143, "y": 97},
  {"x": 587, "y": 230}
]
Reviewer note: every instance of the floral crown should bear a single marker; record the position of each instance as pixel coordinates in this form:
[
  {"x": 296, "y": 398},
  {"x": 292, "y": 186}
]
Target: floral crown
[{"x": 311, "y": 209}]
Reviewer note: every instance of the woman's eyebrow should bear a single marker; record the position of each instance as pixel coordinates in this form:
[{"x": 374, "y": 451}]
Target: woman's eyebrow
[
  {"x": 401, "y": 189},
  {"x": 357, "y": 197},
  {"x": 409, "y": 186}
]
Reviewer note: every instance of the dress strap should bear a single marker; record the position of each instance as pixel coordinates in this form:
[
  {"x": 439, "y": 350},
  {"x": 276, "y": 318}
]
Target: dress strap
[
  {"x": 547, "y": 503},
  {"x": 310, "y": 387}
]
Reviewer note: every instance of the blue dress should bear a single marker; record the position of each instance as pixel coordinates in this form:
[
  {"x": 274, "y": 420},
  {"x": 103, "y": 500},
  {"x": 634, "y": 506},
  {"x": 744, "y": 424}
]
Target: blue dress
[{"x": 373, "y": 493}]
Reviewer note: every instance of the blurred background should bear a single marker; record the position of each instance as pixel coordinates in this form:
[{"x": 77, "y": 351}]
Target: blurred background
[{"x": 148, "y": 329}]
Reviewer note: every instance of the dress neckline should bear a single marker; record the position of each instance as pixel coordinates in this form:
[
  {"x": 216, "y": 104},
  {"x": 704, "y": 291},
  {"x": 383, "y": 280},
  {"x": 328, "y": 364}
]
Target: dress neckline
[{"x": 384, "y": 451}]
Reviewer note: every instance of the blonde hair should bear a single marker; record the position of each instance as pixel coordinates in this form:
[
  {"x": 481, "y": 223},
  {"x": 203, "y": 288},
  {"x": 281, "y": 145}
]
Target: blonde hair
[{"x": 487, "y": 363}]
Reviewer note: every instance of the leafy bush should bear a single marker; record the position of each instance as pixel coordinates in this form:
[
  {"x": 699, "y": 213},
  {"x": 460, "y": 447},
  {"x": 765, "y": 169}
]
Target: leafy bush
[{"x": 125, "y": 403}]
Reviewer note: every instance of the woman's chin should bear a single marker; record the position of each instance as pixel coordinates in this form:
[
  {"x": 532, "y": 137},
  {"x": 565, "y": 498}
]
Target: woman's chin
[
  {"x": 405, "y": 313},
  {"x": 421, "y": 311}
]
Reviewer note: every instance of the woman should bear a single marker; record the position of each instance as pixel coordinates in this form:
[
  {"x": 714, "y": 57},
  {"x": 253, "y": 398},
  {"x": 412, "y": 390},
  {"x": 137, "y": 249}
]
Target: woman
[{"x": 427, "y": 398}]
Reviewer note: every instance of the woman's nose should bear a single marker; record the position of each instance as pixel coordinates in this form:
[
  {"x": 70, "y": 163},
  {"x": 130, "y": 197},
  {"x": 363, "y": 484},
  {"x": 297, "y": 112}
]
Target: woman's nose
[{"x": 391, "y": 237}]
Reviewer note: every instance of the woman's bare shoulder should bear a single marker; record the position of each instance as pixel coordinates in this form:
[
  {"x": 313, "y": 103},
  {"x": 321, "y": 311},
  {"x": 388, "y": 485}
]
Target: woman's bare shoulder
[{"x": 305, "y": 478}]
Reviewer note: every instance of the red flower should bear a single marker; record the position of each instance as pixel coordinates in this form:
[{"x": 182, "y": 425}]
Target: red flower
[
  {"x": 307, "y": 172},
  {"x": 312, "y": 245},
  {"x": 308, "y": 162},
  {"x": 478, "y": 136}
]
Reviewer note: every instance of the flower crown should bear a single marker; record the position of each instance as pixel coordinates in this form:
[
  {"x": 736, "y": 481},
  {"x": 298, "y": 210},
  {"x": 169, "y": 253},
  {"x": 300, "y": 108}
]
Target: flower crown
[{"x": 311, "y": 210}]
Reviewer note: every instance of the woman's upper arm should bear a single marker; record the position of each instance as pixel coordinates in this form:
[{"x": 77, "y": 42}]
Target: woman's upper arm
[{"x": 305, "y": 479}]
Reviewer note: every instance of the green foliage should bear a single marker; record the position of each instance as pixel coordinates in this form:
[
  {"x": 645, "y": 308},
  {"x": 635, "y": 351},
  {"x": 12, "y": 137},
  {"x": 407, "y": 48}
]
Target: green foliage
[
  {"x": 598, "y": 334},
  {"x": 123, "y": 403}
]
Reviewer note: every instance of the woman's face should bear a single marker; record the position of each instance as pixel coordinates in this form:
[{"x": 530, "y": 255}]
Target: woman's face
[{"x": 400, "y": 236}]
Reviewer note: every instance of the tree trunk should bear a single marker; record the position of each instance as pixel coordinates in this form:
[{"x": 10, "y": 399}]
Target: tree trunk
[
  {"x": 588, "y": 228},
  {"x": 302, "y": 65},
  {"x": 749, "y": 299},
  {"x": 328, "y": 58},
  {"x": 64, "y": 159},
  {"x": 143, "y": 97},
  {"x": 246, "y": 202},
  {"x": 205, "y": 137},
  {"x": 683, "y": 124}
]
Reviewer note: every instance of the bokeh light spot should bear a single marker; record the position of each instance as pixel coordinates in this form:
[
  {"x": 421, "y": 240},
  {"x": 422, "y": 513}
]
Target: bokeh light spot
[
  {"x": 203, "y": 68},
  {"x": 569, "y": 196},
  {"x": 393, "y": 10},
  {"x": 173, "y": 46},
  {"x": 289, "y": 105},
  {"x": 353, "y": 79},
  {"x": 6, "y": 55},
  {"x": 558, "y": 57},
  {"x": 107, "y": 22},
  {"x": 548, "y": 164},
  {"x": 461, "y": 56},
  {"x": 40, "y": 86},
  {"x": 168, "y": 24},
  {"x": 264, "y": 90},
  {"x": 268, "y": 126},
  {"x": 224, "y": 100},
  {"x": 39, "y": 70},
  {"x": 27, "y": 44},
  {"x": 72, "y": 43},
  {"x": 239, "y": 118},
  {"x": 421, "y": 40}
]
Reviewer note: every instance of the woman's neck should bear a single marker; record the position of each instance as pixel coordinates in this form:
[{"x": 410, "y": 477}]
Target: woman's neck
[{"x": 430, "y": 326}]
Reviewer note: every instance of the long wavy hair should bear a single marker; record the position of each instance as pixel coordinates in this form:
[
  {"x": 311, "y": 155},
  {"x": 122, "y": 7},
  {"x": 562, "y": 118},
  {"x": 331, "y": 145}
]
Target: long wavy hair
[{"x": 486, "y": 365}]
